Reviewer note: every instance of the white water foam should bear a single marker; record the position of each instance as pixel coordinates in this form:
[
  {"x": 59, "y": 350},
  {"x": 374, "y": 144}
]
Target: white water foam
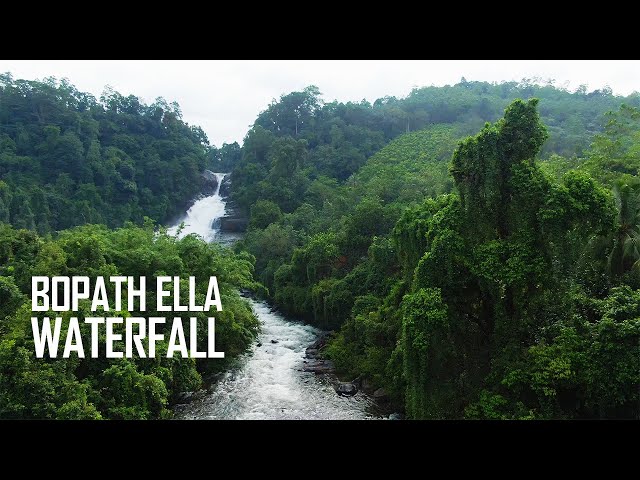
[
  {"x": 203, "y": 218},
  {"x": 268, "y": 382}
]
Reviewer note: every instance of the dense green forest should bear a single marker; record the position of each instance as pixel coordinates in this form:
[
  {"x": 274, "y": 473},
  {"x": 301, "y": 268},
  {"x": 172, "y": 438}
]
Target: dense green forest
[
  {"x": 68, "y": 159},
  {"x": 477, "y": 255},
  {"x": 493, "y": 285},
  {"x": 137, "y": 388},
  {"x": 299, "y": 138}
]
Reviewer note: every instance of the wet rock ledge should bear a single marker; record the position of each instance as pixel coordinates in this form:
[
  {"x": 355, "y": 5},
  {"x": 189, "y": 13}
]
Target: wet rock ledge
[
  {"x": 235, "y": 219},
  {"x": 209, "y": 182},
  {"x": 314, "y": 363}
]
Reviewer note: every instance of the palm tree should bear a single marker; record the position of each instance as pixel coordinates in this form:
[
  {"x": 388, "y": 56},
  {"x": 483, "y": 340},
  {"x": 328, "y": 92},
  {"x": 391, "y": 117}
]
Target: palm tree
[
  {"x": 617, "y": 253},
  {"x": 625, "y": 254}
]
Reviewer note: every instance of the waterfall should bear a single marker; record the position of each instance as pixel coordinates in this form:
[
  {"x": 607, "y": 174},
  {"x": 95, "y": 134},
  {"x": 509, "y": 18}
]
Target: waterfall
[{"x": 203, "y": 218}]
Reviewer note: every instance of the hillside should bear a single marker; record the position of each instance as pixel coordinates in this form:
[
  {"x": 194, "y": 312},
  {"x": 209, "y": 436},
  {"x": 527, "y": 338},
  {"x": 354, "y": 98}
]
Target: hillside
[
  {"x": 67, "y": 158},
  {"x": 458, "y": 286}
]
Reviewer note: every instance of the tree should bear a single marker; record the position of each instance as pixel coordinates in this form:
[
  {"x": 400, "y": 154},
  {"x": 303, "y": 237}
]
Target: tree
[
  {"x": 264, "y": 213},
  {"x": 286, "y": 156},
  {"x": 620, "y": 247},
  {"x": 292, "y": 113},
  {"x": 490, "y": 257},
  {"x": 57, "y": 144},
  {"x": 614, "y": 155}
]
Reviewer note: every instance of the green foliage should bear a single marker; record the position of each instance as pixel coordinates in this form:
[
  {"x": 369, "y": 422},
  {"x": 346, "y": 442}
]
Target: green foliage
[
  {"x": 340, "y": 137},
  {"x": 438, "y": 308},
  {"x": 68, "y": 159},
  {"x": 264, "y": 213},
  {"x": 137, "y": 388},
  {"x": 588, "y": 370},
  {"x": 614, "y": 154},
  {"x": 511, "y": 338},
  {"x": 475, "y": 282},
  {"x": 365, "y": 210},
  {"x": 225, "y": 158},
  {"x": 430, "y": 390},
  {"x": 483, "y": 318}
]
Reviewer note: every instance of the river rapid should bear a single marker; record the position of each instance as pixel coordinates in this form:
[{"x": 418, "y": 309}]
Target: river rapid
[{"x": 268, "y": 381}]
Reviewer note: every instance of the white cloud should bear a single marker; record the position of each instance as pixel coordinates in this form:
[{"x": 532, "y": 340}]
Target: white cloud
[{"x": 224, "y": 97}]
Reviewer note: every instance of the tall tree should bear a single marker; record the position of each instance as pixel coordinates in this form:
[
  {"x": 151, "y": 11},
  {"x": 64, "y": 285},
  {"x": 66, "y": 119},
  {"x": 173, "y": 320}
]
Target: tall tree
[{"x": 480, "y": 292}]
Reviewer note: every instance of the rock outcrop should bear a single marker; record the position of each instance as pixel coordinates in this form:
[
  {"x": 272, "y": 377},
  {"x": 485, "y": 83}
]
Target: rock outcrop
[
  {"x": 209, "y": 183},
  {"x": 318, "y": 366},
  {"x": 225, "y": 186},
  {"x": 233, "y": 224},
  {"x": 235, "y": 219},
  {"x": 346, "y": 389}
]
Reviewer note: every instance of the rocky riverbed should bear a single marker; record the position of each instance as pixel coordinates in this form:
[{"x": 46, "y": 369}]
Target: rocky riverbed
[{"x": 283, "y": 376}]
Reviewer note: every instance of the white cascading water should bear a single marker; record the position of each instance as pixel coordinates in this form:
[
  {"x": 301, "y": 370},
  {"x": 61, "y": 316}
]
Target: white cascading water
[
  {"x": 268, "y": 382},
  {"x": 204, "y": 215}
]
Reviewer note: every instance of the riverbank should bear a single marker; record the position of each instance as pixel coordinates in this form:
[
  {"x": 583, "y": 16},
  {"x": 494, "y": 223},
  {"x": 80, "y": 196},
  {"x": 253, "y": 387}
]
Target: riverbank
[
  {"x": 283, "y": 375},
  {"x": 270, "y": 381}
]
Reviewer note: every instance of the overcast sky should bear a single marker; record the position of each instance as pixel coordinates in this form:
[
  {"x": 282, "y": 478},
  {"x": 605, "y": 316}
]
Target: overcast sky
[{"x": 224, "y": 97}]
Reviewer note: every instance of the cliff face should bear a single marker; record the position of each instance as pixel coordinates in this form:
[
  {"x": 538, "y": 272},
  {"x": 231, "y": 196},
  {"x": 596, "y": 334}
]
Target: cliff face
[
  {"x": 225, "y": 187},
  {"x": 235, "y": 219},
  {"x": 209, "y": 182}
]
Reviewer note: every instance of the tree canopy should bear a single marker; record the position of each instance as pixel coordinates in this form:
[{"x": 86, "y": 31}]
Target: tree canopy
[
  {"x": 123, "y": 388},
  {"x": 474, "y": 248},
  {"x": 67, "y": 158}
]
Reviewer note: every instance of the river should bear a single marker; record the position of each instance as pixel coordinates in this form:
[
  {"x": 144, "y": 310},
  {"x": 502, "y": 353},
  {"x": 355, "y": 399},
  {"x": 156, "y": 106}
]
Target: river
[{"x": 268, "y": 381}]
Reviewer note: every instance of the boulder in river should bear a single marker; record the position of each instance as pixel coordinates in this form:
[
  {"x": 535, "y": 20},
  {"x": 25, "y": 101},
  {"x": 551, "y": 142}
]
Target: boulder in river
[
  {"x": 188, "y": 397},
  {"x": 380, "y": 395},
  {"x": 319, "y": 343},
  {"x": 346, "y": 389},
  {"x": 274, "y": 341},
  {"x": 358, "y": 382},
  {"x": 319, "y": 366},
  {"x": 311, "y": 352},
  {"x": 367, "y": 386},
  {"x": 184, "y": 397}
]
